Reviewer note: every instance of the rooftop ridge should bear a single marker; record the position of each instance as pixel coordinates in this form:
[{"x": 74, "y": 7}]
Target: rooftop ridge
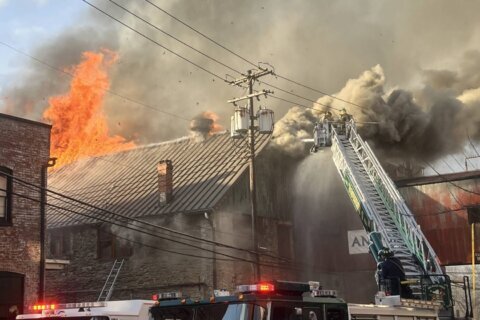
[{"x": 138, "y": 148}]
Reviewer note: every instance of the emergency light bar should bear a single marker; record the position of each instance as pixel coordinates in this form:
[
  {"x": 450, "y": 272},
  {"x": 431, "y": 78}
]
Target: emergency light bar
[
  {"x": 280, "y": 287},
  {"x": 167, "y": 296},
  {"x": 85, "y": 305},
  {"x": 77, "y": 305},
  {"x": 262, "y": 287},
  {"x": 40, "y": 307}
]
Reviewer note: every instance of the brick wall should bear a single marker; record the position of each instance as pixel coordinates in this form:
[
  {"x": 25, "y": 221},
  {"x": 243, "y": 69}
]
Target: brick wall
[{"x": 24, "y": 148}]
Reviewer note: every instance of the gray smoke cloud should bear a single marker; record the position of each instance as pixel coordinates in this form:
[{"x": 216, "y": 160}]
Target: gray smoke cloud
[
  {"x": 321, "y": 43},
  {"x": 423, "y": 125}
]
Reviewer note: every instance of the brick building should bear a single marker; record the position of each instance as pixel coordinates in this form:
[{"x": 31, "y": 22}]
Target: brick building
[
  {"x": 24, "y": 152},
  {"x": 199, "y": 188}
]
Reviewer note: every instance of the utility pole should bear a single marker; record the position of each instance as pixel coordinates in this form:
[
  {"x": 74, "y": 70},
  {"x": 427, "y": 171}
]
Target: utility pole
[{"x": 250, "y": 79}]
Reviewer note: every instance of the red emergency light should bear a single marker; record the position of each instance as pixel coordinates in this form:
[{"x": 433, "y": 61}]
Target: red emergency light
[
  {"x": 261, "y": 287},
  {"x": 266, "y": 287}
]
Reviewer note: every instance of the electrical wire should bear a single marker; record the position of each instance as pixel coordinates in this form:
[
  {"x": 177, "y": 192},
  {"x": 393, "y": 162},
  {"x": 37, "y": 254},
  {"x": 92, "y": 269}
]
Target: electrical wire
[
  {"x": 177, "y": 39},
  {"x": 133, "y": 229},
  {"x": 247, "y": 60},
  {"x": 200, "y": 33},
  {"x": 155, "y": 42},
  {"x": 198, "y": 51},
  {"x": 449, "y": 181},
  {"x": 290, "y": 266},
  {"x": 144, "y": 244},
  {"x": 140, "y": 221}
]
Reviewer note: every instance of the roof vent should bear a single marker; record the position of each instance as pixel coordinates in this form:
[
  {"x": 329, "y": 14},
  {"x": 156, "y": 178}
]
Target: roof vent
[{"x": 165, "y": 181}]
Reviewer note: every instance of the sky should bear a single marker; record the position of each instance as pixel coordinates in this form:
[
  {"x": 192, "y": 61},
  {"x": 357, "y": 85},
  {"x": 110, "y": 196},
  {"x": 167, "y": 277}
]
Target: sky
[
  {"x": 321, "y": 43},
  {"x": 26, "y": 23}
]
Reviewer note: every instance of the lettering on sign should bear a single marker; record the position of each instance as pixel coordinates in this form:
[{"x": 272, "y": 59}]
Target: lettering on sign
[{"x": 358, "y": 242}]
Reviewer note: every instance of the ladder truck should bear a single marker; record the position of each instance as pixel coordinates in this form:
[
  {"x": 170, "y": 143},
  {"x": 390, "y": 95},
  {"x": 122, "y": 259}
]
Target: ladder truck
[{"x": 383, "y": 212}]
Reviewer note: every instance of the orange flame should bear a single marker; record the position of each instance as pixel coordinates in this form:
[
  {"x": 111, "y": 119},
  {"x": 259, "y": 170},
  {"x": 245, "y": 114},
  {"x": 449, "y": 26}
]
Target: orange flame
[{"x": 79, "y": 125}]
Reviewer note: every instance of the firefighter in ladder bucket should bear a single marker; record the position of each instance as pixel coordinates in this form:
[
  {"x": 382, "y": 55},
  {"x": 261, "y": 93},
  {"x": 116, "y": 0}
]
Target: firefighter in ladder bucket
[
  {"x": 345, "y": 121},
  {"x": 391, "y": 274}
]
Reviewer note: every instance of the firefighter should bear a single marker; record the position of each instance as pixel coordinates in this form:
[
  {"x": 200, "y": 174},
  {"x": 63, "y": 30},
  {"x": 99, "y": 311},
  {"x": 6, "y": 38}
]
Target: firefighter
[
  {"x": 391, "y": 274},
  {"x": 344, "y": 116},
  {"x": 327, "y": 116}
]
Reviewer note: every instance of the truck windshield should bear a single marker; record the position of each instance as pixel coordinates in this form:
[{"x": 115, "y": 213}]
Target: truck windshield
[{"x": 239, "y": 311}]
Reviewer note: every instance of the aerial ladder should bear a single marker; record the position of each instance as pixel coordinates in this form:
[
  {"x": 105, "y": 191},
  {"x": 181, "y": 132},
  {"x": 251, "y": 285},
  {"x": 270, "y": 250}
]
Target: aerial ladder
[{"x": 382, "y": 210}]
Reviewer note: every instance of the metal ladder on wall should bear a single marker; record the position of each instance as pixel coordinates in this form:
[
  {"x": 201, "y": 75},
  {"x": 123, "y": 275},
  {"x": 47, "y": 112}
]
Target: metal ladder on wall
[
  {"x": 107, "y": 289},
  {"x": 381, "y": 207}
]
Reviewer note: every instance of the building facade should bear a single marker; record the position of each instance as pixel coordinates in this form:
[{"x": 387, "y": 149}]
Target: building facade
[
  {"x": 24, "y": 153},
  {"x": 199, "y": 189},
  {"x": 440, "y": 206}
]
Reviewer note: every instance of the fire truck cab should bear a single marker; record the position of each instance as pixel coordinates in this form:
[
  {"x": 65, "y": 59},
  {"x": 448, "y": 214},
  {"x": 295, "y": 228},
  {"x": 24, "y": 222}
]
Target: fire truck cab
[
  {"x": 264, "y": 301},
  {"x": 280, "y": 300},
  {"x": 107, "y": 310}
]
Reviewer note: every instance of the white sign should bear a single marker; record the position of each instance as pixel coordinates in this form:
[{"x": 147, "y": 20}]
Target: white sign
[{"x": 358, "y": 242}]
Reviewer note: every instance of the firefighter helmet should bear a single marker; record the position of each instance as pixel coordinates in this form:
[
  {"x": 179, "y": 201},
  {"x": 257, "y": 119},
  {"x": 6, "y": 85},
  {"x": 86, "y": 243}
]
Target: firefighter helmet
[{"x": 385, "y": 253}]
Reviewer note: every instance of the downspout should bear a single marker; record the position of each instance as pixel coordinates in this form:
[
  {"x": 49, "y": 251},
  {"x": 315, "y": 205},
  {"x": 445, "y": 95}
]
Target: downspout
[
  {"x": 43, "y": 203},
  {"x": 208, "y": 216}
]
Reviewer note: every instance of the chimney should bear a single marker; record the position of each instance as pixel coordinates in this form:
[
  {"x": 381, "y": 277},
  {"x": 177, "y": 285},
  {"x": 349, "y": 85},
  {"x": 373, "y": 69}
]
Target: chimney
[{"x": 165, "y": 181}]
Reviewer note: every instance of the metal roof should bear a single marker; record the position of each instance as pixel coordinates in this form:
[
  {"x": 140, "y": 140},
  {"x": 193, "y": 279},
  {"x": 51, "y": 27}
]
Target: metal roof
[{"x": 127, "y": 182}]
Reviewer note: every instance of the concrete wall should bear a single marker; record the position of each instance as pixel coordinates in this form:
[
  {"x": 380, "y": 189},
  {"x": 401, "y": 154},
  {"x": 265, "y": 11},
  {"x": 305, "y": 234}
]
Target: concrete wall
[{"x": 24, "y": 148}]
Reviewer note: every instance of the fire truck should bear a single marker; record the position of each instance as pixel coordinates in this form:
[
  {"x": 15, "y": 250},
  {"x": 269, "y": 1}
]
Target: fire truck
[
  {"x": 100, "y": 310},
  {"x": 276, "y": 300},
  {"x": 385, "y": 216},
  {"x": 284, "y": 300}
]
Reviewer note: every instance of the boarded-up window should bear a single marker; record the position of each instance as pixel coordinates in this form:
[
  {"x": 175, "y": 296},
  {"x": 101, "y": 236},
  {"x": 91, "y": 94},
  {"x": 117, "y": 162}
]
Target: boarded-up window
[
  {"x": 60, "y": 244},
  {"x": 112, "y": 247}
]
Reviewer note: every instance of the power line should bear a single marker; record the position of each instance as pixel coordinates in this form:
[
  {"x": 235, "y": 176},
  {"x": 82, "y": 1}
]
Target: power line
[
  {"x": 144, "y": 244},
  {"x": 299, "y": 104},
  {"x": 210, "y": 57},
  {"x": 198, "y": 51},
  {"x": 247, "y": 60},
  {"x": 105, "y": 90},
  {"x": 202, "y": 34},
  {"x": 154, "y": 41},
  {"x": 449, "y": 181},
  {"x": 177, "y": 39},
  {"x": 137, "y": 220},
  {"x": 298, "y": 96},
  {"x": 319, "y": 91},
  {"x": 275, "y": 265},
  {"x": 130, "y": 228}
]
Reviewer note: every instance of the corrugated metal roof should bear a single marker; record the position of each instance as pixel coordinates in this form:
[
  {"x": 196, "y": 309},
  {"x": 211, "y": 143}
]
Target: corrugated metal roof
[{"x": 127, "y": 182}]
